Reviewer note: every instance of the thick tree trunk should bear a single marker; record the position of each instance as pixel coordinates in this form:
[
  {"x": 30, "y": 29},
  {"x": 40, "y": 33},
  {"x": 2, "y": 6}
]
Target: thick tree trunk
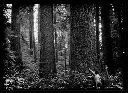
[
  {"x": 47, "y": 61},
  {"x": 61, "y": 15},
  {"x": 15, "y": 35},
  {"x": 83, "y": 38},
  {"x": 107, "y": 41},
  {"x": 24, "y": 19}
]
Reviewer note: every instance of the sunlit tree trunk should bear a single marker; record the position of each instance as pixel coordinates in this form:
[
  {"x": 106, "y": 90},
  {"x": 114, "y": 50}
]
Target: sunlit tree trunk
[{"x": 27, "y": 44}]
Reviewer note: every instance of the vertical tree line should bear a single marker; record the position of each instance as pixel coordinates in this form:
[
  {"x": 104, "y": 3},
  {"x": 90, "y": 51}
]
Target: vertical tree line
[
  {"x": 83, "y": 40},
  {"x": 47, "y": 61}
]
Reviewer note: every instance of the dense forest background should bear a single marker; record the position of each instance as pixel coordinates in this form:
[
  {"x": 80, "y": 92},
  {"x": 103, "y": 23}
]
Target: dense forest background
[{"x": 71, "y": 39}]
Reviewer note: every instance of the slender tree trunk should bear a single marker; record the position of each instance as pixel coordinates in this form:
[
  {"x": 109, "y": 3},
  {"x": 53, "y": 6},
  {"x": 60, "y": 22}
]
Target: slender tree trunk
[{"x": 97, "y": 33}]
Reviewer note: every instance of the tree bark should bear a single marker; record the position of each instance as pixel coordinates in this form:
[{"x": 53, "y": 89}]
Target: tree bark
[
  {"x": 107, "y": 41},
  {"x": 47, "y": 61}
]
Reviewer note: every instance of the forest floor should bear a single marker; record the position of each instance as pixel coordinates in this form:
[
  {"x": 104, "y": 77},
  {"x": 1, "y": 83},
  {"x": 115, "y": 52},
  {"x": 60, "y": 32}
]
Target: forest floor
[{"x": 62, "y": 81}]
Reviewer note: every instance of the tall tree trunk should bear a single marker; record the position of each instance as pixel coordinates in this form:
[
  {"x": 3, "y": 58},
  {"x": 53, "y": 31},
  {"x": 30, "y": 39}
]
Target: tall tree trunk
[
  {"x": 97, "y": 33},
  {"x": 16, "y": 35},
  {"x": 61, "y": 15},
  {"x": 107, "y": 41},
  {"x": 47, "y": 61},
  {"x": 83, "y": 37},
  {"x": 24, "y": 19}
]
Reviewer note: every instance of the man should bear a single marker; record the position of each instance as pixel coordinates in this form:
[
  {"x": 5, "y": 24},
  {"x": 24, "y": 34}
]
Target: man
[{"x": 97, "y": 78}]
